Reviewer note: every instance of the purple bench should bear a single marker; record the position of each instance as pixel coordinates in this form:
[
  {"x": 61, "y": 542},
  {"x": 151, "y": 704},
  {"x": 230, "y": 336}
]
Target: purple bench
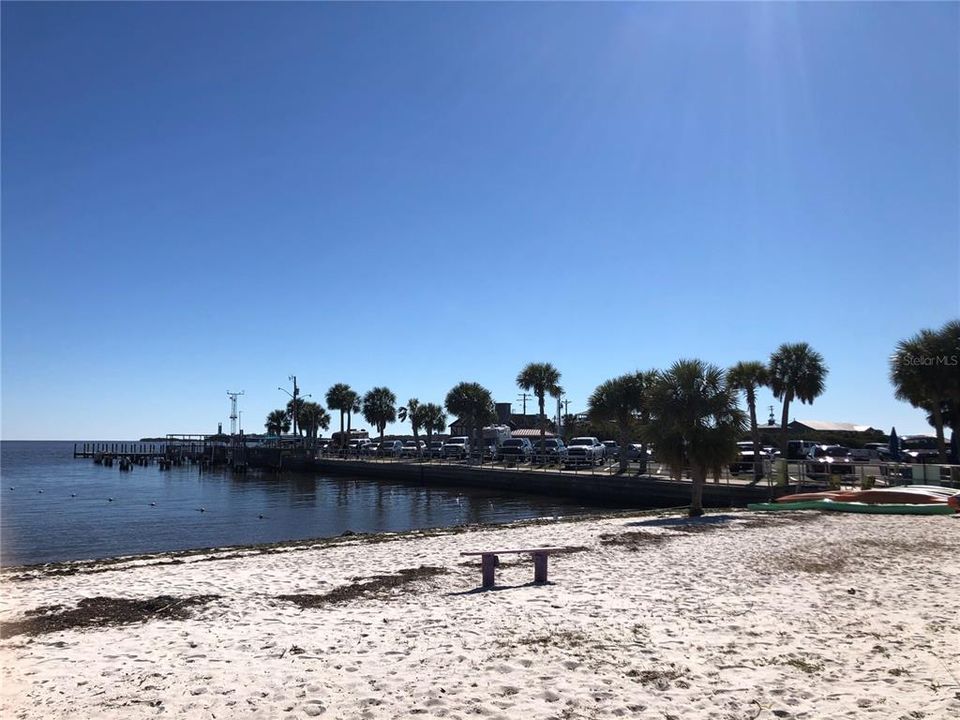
[{"x": 489, "y": 562}]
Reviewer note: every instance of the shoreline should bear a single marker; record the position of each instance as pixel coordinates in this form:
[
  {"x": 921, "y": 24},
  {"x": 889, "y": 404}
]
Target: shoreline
[
  {"x": 64, "y": 567},
  {"x": 734, "y": 614}
]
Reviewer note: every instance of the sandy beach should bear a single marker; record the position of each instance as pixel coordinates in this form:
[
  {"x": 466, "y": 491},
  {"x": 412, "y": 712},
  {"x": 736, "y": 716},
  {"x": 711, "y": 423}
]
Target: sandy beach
[{"x": 739, "y": 615}]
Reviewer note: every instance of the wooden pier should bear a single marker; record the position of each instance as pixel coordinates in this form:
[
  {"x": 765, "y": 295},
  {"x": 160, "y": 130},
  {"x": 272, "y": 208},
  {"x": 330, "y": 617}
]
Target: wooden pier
[{"x": 133, "y": 450}]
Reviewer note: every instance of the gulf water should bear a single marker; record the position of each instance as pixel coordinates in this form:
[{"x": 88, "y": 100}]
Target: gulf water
[{"x": 55, "y": 508}]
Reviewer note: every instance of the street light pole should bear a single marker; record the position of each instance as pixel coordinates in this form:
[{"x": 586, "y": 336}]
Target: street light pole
[
  {"x": 294, "y": 378},
  {"x": 294, "y": 406}
]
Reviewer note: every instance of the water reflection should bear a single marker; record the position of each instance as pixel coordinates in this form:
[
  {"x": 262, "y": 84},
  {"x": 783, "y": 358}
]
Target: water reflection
[{"x": 155, "y": 510}]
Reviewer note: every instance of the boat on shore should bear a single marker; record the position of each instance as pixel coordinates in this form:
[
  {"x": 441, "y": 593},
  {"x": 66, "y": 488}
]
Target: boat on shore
[
  {"x": 909, "y": 500},
  {"x": 857, "y": 507}
]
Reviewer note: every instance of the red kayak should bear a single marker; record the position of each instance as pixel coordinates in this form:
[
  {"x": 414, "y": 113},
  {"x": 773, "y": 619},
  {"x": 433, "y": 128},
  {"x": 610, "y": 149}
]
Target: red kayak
[{"x": 883, "y": 496}]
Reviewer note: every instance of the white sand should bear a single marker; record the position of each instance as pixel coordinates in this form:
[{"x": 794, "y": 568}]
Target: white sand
[{"x": 842, "y": 616}]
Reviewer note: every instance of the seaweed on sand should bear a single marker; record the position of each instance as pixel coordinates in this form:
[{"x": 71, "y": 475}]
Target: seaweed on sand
[
  {"x": 103, "y": 612},
  {"x": 634, "y": 540},
  {"x": 379, "y": 586}
]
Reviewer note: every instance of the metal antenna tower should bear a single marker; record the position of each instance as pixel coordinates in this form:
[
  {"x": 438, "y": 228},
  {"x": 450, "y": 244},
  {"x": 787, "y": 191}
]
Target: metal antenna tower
[
  {"x": 233, "y": 410},
  {"x": 524, "y": 397}
]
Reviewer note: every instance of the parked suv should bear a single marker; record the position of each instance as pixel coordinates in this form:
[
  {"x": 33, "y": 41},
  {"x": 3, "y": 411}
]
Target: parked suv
[
  {"x": 436, "y": 448},
  {"x": 611, "y": 450},
  {"x": 456, "y": 447},
  {"x": 412, "y": 448},
  {"x": 826, "y": 460},
  {"x": 553, "y": 450},
  {"x": 799, "y": 449},
  {"x": 390, "y": 448},
  {"x": 516, "y": 450},
  {"x": 745, "y": 460},
  {"x": 585, "y": 451}
]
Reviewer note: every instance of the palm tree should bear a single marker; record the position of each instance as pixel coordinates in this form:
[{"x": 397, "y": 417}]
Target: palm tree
[
  {"x": 747, "y": 377},
  {"x": 379, "y": 408},
  {"x": 413, "y": 411},
  {"x": 950, "y": 347},
  {"x": 278, "y": 422},
  {"x": 695, "y": 421},
  {"x": 796, "y": 371},
  {"x": 620, "y": 401},
  {"x": 473, "y": 404},
  {"x": 313, "y": 418},
  {"x": 924, "y": 374},
  {"x": 295, "y": 411},
  {"x": 353, "y": 406},
  {"x": 434, "y": 420},
  {"x": 540, "y": 379},
  {"x": 338, "y": 399}
]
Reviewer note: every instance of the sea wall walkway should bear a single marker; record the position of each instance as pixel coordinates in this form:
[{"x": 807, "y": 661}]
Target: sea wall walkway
[{"x": 601, "y": 487}]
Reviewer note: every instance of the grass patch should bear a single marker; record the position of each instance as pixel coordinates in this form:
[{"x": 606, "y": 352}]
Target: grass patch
[
  {"x": 380, "y": 587},
  {"x": 103, "y": 612}
]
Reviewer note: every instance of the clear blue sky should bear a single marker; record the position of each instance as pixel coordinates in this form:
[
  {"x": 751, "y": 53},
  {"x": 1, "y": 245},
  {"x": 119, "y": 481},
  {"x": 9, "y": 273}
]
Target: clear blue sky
[{"x": 209, "y": 197}]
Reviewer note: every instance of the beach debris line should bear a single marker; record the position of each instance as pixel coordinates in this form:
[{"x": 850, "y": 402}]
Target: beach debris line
[
  {"x": 380, "y": 587},
  {"x": 635, "y": 539},
  {"x": 103, "y": 612}
]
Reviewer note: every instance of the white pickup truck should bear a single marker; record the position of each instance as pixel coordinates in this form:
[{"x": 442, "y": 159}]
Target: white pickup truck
[{"x": 585, "y": 451}]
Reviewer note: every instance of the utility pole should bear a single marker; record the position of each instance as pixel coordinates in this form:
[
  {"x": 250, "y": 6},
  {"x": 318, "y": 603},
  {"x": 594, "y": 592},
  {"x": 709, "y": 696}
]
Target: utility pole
[
  {"x": 295, "y": 391},
  {"x": 233, "y": 410},
  {"x": 524, "y": 397}
]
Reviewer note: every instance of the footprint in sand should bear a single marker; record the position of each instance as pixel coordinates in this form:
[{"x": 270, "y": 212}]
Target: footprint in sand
[{"x": 314, "y": 708}]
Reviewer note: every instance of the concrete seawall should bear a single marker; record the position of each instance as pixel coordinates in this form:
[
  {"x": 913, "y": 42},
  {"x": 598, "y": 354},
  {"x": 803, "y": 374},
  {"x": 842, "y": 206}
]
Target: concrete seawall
[{"x": 615, "y": 490}]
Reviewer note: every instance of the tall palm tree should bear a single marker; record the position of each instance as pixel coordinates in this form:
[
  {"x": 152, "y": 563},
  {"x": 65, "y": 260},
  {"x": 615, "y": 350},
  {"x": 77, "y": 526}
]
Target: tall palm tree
[
  {"x": 473, "y": 404},
  {"x": 749, "y": 376},
  {"x": 695, "y": 421},
  {"x": 353, "y": 407},
  {"x": 541, "y": 379},
  {"x": 434, "y": 420},
  {"x": 796, "y": 372},
  {"x": 338, "y": 400},
  {"x": 950, "y": 348},
  {"x": 313, "y": 418},
  {"x": 278, "y": 422},
  {"x": 619, "y": 400},
  {"x": 379, "y": 408},
  {"x": 412, "y": 411},
  {"x": 924, "y": 376},
  {"x": 295, "y": 411},
  {"x": 647, "y": 379}
]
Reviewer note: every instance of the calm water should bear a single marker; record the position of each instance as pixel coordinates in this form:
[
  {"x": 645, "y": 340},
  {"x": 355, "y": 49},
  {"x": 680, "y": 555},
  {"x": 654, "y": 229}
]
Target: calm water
[{"x": 58, "y": 508}]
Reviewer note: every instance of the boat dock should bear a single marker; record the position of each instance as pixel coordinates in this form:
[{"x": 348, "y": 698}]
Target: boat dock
[{"x": 136, "y": 450}]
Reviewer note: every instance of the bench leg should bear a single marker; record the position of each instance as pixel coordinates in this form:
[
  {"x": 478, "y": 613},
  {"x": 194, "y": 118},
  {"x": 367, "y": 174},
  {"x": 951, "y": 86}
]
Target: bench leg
[
  {"x": 540, "y": 567},
  {"x": 488, "y": 563}
]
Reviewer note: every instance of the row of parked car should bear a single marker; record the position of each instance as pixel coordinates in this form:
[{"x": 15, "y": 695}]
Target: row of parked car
[
  {"x": 821, "y": 459},
  {"x": 580, "y": 451}
]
